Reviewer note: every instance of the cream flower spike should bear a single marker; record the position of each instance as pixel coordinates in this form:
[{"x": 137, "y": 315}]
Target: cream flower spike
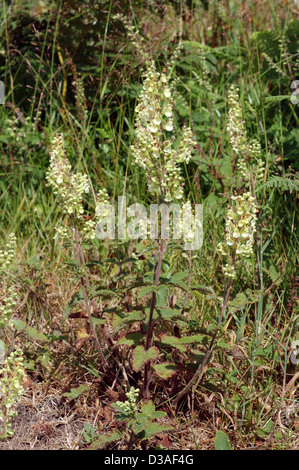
[{"x": 69, "y": 186}]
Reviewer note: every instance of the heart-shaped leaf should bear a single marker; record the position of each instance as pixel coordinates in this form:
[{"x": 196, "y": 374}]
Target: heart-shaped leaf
[{"x": 222, "y": 441}]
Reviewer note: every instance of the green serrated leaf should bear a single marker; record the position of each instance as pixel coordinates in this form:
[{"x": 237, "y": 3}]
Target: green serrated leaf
[
  {"x": 277, "y": 98},
  {"x": 149, "y": 277},
  {"x": 75, "y": 392},
  {"x": 222, "y": 441},
  {"x": 31, "y": 332},
  {"x": 171, "y": 314},
  {"x": 44, "y": 360},
  {"x": 152, "y": 429},
  {"x": 34, "y": 334},
  {"x": 105, "y": 439},
  {"x": 193, "y": 339},
  {"x": 141, "y": 356},
  {"x": 2, "y": 350},
  {"x": 180, "y": 276},
  {"x": 30, "y": 365},
  {"x": 173, "y": 342},
  {"x": 76, "y": 299},
  {"x": 120, "y": 320},
  {"x": 272, "y": 271},
  {"x": 98, "y": 321},
  {"x": 145, "y": 291},
  {"x": 71, "y": 262},
  {"x": 108, "y": 293},
  {"x": 240, "y": 331},
  {"x": 179, "y": 283},
  {"x": 115, "y": 271},
  {"x": 20, "y": 325},
  {"x": 239, "y": 301},
  {"x": 132, "y": 317},
  {"x": 94, "y": 263},
  {"x": 89, "y": 433},
  {"x": 3, "y": 138}
]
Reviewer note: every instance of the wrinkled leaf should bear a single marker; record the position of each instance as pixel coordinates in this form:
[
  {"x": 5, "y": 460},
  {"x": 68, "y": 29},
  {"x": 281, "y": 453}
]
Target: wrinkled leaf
[
  {"x": 150, "y": 411},
  {"x": 146, "y": 291},
  {"x": 162, "y": 296},
  {"x": 81, "y": 336},
  {"x": 20, "y": 325},
  {"x": 34, "y": 334},
  {"x": 31, "y": 332},
  {"x": 149, "y": 430}
]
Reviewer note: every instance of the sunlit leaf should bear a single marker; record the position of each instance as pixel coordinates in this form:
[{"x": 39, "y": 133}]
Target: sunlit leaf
[{"x": 141, "y": 356}]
